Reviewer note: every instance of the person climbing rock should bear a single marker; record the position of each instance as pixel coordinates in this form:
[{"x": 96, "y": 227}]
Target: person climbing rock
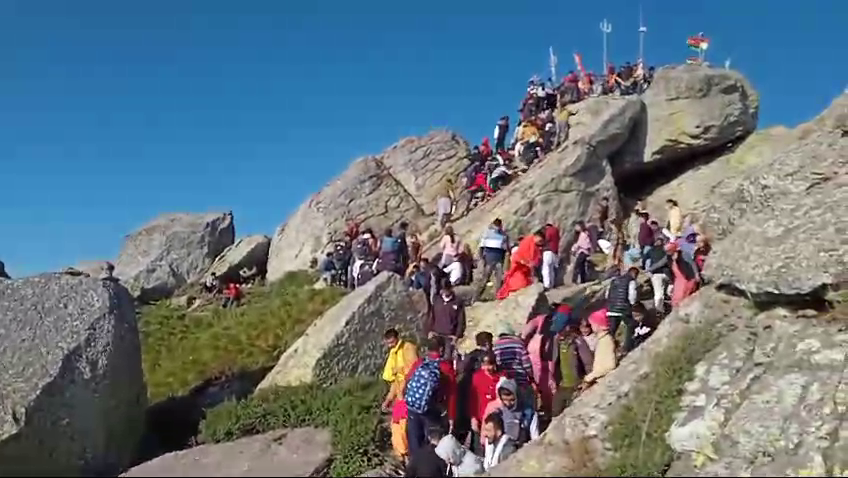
[
  {"x": 581, "y": 250},
  {"x": 447, "y": 320},
  {"x": 493, "y": 249},
  {"x": 523, "y": 262},
  {"x": 550, "y": 256},
  {"x": 501, "y": 130},
  {"x": 399, "y": 361},
  {"x": 446, "y": 201},
  {"x": 621, "y": 297},
  {"x": 430, "y": 395}
]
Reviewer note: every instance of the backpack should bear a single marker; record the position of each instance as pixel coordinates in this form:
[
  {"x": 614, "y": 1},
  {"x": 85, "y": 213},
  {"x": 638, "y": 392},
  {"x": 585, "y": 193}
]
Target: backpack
[
  {"x": 365, "y": 273},
  {"x": 362, "y": 248},
  {"x": 422, "y": 386},
  {"x": 390, "y": 245}
]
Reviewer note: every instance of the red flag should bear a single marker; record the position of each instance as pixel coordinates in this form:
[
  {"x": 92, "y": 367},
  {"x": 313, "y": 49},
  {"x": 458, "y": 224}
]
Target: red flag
[{"x": 578, "y": 60}]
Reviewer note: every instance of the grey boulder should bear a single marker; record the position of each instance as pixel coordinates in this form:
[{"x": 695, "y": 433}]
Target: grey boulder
[
  {"x": 72, "y": 393},
  {"x": 785, "y": 225},
  {"x": 248, "y": 252},
  {"x": 381, "y": 191},
  {"x": 347, "y": 340},
  {"x": 171, "y": 251},
  {"x": 297, "y": 452},
  {"x": 693, "y": 110}
]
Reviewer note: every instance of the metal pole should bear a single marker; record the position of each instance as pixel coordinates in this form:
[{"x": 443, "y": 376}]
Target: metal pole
[
  {"x": 642, "y": 30},
  {"x": 606, "y": 28},
  {"x": 553, "y": 62}
]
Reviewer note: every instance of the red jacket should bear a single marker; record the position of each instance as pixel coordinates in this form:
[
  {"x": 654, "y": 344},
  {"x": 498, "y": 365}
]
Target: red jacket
[
  {"x": 483, "y": 391},
  {"x": 552, "y": 239},
  {"x": 447, "y": 386}
]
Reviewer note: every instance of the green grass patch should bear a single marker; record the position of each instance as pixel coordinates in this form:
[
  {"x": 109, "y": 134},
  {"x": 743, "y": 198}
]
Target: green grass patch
[
  {"x": 637, "y": 432},
  {"x": 350, "y": 410},
  {"x": 182, "y": 349}
]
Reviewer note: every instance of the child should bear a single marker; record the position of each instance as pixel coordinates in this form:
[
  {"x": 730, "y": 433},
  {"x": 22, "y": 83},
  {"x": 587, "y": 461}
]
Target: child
[
  {"x": 643, "y": 330},
  {"x": 483, "y": 391}
]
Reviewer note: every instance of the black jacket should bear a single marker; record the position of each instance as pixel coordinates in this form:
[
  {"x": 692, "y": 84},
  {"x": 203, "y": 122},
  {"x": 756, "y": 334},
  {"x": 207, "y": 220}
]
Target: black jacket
[{"x": 425, "y": 463}]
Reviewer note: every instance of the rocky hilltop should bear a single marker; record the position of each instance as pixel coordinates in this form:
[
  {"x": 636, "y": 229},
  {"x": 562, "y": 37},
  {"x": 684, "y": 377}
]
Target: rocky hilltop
[{"x": 746, "y": 377}]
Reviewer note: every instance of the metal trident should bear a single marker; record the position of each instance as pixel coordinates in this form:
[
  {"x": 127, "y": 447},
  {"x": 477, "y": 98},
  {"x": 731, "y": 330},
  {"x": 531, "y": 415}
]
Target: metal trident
[{"x": 606, "y": 28}]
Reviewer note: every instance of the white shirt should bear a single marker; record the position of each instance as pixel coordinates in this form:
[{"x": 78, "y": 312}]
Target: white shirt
[{"x": 454, "y": 271}]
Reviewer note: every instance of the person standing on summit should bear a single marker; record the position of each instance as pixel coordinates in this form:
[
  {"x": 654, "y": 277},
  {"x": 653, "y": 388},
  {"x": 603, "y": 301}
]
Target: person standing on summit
[{"x": 501, "y": 130}]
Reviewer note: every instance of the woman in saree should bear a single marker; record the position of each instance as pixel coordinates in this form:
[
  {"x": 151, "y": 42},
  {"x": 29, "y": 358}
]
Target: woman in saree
[{"x": 522, "y": 264}]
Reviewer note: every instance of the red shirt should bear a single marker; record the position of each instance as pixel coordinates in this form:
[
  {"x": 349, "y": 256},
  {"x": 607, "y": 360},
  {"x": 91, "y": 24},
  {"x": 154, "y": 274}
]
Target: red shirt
[
  {"x": 552, "y": 239},
  {"x": 483, "y": 391},
  {"x": 447, "y": 386}
]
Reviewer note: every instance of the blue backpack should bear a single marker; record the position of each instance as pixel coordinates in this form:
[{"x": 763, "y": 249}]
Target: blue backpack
[
  {"x": 390, "y": 245},
  {"x": 422, "y": 386}
]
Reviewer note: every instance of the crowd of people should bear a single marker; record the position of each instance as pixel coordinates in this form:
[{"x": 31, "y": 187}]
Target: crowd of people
[
  {"x": 455, "y": 415},
  {"x": 542, "y": 127}
]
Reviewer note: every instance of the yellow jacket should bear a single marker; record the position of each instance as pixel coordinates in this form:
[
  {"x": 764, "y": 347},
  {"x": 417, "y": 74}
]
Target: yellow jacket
[
  {"x": 675, "y": 221},
  {"x": 604, "y": 362},
  {"x": 528, "y": 132},
  {"x": 398, "y": 363}
]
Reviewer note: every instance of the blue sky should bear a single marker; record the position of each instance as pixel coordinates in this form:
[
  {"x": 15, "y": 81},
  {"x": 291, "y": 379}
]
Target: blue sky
[{"x": 112, "y": 112}]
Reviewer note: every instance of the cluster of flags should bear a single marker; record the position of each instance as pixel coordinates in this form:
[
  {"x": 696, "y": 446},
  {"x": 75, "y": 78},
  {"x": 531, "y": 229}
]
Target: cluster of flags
[{"x": 698, "y": 43}]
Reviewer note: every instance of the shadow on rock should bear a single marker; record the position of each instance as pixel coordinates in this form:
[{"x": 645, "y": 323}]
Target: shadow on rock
[{"x": 173, "y": 424}]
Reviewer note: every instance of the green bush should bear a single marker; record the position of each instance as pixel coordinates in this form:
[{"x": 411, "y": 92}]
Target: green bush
[
  {"x": 350, "y": 410},
  {"x": 637, "y": 432},
  {"x": 182, "y": 349}
]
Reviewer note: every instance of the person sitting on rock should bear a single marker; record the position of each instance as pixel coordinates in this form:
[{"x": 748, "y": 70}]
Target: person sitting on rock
[
  {"x": 212, "y": 285},
  {"x": 232, "y": 296}
]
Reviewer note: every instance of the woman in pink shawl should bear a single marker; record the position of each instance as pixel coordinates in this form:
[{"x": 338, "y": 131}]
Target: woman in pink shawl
[
  {"x": 685, "y": 275},
  {"x": 543, "y": 347}
]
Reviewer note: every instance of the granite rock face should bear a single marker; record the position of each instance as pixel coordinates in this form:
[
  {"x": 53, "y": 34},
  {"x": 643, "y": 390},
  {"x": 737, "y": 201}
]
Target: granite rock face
[
  {"x": 347, "y": 340},
  {"x": 381, "y": 191},
  {"x": 577, "y": 441},
  {"x": 298, "y": 452},
  {"x": 785, "y": 225},
  {"x": 172, "y": 251},
  {"x": 248, "y": 252},
  {"x": 693, "y": 110},
  {"x": 771, "y": 400},
  {"x": 72, "y": 392}
]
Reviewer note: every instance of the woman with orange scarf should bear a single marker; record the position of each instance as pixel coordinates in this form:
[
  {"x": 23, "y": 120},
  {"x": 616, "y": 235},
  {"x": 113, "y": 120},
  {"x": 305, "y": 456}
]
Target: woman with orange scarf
[{"x": 522, "y": 263}]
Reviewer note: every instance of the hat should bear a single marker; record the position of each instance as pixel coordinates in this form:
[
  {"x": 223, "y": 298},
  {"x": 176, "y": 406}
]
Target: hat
[
  {"x": 599, "y": 318},
  {"x": 508, "y": 384}
]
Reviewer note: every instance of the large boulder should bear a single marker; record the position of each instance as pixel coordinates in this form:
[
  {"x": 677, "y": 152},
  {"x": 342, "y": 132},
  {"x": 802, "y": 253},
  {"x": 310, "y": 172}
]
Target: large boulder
[
  {"x": 72, "y": 393},
  {"x": 565, "y": 185},
  {"x": 577, "y": 442},
  {"x": 768, "y": 401},
  {"x": 347, "y": 340},
  {"x": 171, "y": 251},
  {"x": 249, "y": 252},
  {"x": 298, "y": 452},
  {"x": 693, "y": 110},
  {"x": 378, "y": 191},
  {"x": 785, "y": 224},
  {"x": 700, "y": 187}
]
